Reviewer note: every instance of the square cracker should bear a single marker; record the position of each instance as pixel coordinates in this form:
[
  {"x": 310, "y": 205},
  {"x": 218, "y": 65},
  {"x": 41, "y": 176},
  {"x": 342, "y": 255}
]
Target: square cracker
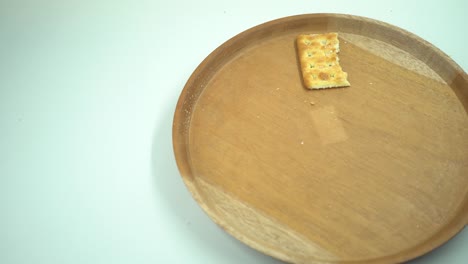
[{"x": 318, "y": 56}]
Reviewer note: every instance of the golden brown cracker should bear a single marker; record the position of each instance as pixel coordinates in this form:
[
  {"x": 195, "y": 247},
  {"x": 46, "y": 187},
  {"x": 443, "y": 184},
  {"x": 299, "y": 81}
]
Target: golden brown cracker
[{"x": 318, "y": 56}]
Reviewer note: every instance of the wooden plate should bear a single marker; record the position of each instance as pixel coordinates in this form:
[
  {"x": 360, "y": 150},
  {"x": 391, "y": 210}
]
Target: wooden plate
[{"x": 373, "y": 173}]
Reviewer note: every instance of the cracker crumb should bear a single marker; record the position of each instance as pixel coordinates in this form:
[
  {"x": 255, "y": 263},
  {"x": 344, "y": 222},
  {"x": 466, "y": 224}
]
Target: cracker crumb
[
  {"x": 312, "y": 103},
  {"x": 302, "y": 142},
  {"x": 277, "y": 88},
  {"x": 370, "y": 83}
]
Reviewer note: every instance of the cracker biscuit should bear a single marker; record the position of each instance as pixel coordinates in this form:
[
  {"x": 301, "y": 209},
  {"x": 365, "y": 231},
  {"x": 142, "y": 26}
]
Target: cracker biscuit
[{"x": 318, "y": 57}]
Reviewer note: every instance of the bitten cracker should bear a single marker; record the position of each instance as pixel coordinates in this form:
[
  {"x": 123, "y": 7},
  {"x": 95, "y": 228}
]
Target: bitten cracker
[{"x": 318, "y": 56}]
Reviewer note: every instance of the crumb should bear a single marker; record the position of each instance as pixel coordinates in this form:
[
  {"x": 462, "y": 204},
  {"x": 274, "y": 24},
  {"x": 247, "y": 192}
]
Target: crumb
[
  {"x": 370, "y": 83},
  {"x": 258, "y": 116},
  {"x": 312, "y": 103},
  {"x": 277, "y": 88},
  {"x": 302, "y": 142}
]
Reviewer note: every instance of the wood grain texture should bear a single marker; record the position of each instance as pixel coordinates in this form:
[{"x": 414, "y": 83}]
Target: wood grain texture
[{"x": 375, "y": 173}]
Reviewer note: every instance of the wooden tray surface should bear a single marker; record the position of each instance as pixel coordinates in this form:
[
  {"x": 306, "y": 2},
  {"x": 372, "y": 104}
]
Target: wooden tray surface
[{"x": 373, "y": 173}]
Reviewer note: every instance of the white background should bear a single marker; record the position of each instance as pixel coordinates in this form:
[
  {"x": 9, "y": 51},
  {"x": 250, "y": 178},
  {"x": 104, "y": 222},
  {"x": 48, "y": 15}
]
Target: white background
[{"x": 87, "y": 95}]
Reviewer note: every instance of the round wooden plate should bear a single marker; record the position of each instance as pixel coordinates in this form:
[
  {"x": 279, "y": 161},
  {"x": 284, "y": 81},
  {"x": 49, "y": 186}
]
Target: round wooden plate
[{"x": 373, "y": 173}]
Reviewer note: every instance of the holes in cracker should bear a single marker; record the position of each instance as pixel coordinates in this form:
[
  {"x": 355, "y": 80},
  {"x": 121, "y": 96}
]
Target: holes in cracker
[
  {"x": 309, "y": 54},
  {"x": 311, "y": 65},
  {"x": 323, "y": 42},
  {"x": 307, "y": 42}
]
